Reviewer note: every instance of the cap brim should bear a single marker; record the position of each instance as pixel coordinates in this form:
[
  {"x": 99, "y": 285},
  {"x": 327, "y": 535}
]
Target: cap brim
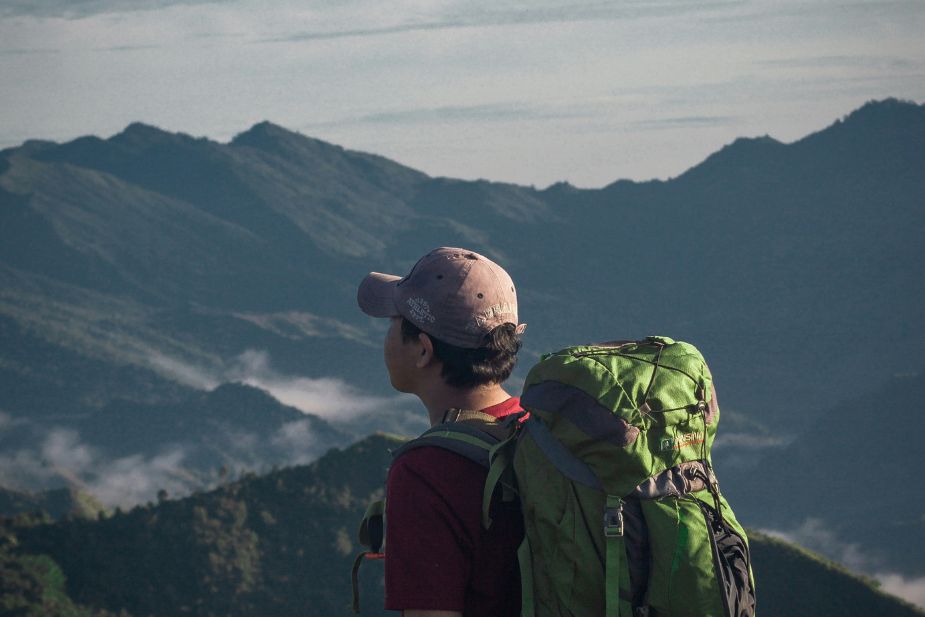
[{"x": 376, "y": 295}]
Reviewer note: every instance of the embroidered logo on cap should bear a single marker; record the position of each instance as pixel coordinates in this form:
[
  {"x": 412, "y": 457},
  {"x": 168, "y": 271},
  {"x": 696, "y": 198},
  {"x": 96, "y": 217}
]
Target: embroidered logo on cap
[
  {"x": 419, "y": 310},
  {"x": 490, "y": 315}
]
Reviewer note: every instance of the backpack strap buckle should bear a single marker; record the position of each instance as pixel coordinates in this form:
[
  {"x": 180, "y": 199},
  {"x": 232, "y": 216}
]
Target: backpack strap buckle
[{"x": 613, "y": 518}]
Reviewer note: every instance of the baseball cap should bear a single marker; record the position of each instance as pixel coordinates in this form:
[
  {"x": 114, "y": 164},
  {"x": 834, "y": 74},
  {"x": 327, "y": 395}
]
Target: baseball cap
[{"x": 452, "y": 294}]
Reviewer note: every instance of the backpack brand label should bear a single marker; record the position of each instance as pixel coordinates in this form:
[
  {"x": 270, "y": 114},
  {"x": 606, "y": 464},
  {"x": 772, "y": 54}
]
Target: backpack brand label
[{"x": 679, "y": 441}]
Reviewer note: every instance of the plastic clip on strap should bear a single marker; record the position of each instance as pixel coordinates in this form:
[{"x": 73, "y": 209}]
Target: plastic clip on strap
[{"x": 613, "y": 539}]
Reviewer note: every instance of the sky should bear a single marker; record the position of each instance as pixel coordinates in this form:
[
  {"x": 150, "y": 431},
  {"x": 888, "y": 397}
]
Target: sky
[{"x": 531, "y": 92}]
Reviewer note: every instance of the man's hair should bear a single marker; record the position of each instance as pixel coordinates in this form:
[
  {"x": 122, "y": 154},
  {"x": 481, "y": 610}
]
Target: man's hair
[{"x": 470, "y": 368}]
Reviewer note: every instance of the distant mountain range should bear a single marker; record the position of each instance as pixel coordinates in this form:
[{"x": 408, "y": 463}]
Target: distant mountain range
[
  {"x": 144, "y": 275},
  {"x": 282, "y": 544}
]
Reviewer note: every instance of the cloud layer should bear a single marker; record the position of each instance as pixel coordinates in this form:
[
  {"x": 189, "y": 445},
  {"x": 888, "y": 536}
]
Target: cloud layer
[
  {"x": 64, "y": 458},
  {"x": 327, "y": 397}
]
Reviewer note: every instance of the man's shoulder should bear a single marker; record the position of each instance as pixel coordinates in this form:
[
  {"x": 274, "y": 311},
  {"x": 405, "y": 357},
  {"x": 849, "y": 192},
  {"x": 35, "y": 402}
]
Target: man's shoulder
[{"x": 431, "y": 459}]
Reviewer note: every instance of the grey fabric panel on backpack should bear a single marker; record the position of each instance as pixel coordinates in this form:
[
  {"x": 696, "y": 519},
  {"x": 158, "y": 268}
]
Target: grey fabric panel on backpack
[
  {"x": 582, "y": 410},
  {"x": 567, "y": 463},
  {"x": 682, "y": 479}
]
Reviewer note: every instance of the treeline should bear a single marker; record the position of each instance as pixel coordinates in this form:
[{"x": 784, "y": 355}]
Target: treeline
[{"x": 280, "y": 544}]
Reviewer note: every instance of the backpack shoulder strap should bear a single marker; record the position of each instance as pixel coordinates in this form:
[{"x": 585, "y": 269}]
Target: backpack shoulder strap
[
  {"x": 464, "y": 415},
  {"x": 471, "y": 437}
]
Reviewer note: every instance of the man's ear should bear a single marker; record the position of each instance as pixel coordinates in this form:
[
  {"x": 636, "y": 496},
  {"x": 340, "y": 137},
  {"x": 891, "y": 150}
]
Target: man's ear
[{"x": 426, "y": 356}]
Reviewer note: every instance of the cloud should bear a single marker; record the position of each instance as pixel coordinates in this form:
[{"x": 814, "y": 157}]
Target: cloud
[
  {"x": 62, "y": 448},
  {"x": 331, "y": 398},
  {"x": 451, "y": 113},
  {"x": 838, "y": 62},
  {"x": 299, "y": 443},
  {"x": 116, "y": 48},
  {"x": 296, "y": 325},
  {"x": 183, "y": 372},
  {"x": 445, "y": 115},
  {"x": 75, "y": 9},
  {"x": 909, "y": 589},
  {"x": 326, "y": 397},
  {"x": 816, "y": 535},
  {"x": 63, "y": 458},
  {"x": 810, "y": 10},
  {"x": 493, "y": 14},
  {"x": 444, "y": 14},
  {"x": 27, "y": 51},
  {"x": 23, "y": 469},
  {"x": 685, "y": 122},
  {"x": 749, "y": 440},
  {"x": 134, "y": 479},
  {"x": 494, "y": 112}
]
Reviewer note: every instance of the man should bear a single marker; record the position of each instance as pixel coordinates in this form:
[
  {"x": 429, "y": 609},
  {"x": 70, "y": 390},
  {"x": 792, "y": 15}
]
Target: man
[{"x": 452, "y": 341}]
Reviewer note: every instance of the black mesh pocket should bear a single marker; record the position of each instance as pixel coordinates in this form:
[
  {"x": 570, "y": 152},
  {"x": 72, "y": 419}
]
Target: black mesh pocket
[{"x": 733, "y": 566}]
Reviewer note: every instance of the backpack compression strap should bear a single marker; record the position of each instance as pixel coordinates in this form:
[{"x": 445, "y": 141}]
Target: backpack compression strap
[{"x": 616, "y": 576}]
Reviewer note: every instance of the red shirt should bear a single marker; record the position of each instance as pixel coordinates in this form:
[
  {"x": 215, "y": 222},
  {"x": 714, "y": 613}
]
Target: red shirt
[{"x": 438, "y": 555}]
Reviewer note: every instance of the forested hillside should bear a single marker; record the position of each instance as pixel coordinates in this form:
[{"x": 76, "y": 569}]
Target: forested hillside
[{"x": 282, "y": 544}]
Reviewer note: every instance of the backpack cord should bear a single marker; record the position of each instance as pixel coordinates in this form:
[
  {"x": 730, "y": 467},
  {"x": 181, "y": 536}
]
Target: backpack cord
[
  {"x": 645, "y": 408},
  {"x": 712, "y": 483}
]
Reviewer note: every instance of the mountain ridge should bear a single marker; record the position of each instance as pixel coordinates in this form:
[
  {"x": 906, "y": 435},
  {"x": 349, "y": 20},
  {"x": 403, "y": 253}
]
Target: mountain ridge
[{"x": 141, "y": 276}]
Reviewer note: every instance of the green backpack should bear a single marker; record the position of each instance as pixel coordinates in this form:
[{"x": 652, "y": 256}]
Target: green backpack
[{"x": 622, "y": 511}]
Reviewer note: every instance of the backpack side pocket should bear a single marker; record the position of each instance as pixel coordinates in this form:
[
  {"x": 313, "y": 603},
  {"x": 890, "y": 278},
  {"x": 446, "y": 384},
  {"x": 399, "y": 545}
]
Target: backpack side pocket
[{"x": 732, "y": 561}]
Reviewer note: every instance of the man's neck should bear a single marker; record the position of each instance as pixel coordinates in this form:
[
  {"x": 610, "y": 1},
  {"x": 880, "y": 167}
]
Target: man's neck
[{"x": 442, "y": 397}]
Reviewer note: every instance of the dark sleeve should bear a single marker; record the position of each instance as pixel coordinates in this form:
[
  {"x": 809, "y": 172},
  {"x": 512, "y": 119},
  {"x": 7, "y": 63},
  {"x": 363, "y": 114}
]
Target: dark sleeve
[{"x": 428, "y": 545}]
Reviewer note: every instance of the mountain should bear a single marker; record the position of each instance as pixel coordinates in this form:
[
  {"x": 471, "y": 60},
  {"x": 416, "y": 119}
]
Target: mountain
[
  {"x": 843, "y": 486},
  {"x": 141, "y": 274},
  {"x": 199, "y": 250},
  {"x": 282, "y": 544}
]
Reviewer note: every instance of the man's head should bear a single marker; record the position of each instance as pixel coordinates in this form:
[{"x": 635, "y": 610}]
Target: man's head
[{"x": 462, "y": 303}]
